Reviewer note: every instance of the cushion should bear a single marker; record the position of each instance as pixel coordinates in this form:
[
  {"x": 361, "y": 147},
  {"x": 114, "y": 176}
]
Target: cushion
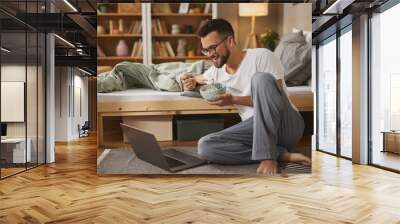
[{"x": 295, "y": 55}]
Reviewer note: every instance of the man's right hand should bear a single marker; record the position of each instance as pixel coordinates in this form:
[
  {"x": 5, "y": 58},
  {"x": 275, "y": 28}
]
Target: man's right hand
[{"x": 189, "y": 82}]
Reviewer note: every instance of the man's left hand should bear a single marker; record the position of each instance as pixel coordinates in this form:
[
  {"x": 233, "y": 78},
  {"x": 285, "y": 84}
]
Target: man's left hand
[{"x": 222, "y": 100}]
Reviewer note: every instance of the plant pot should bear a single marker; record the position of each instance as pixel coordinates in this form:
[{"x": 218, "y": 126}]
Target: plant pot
[{"x": 103, "y": 8}]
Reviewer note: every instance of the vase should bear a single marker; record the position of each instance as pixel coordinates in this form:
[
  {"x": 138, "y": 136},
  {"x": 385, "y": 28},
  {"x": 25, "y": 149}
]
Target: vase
[
  {"x": 181, "y": 49},
  {"x": 101, "y": 30},
  {"x": 122, "y": 49}
]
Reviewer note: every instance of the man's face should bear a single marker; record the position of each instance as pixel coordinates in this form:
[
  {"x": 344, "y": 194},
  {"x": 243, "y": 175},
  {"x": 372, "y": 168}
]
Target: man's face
[{"x": 217, "y": 49}]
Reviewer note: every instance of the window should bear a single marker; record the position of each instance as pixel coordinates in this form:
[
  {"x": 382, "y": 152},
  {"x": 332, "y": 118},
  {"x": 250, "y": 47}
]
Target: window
[
  {"x": 385, "y": 85},
  {"x": 327, "y": 96},
  {"x": 346, "y": 93}
]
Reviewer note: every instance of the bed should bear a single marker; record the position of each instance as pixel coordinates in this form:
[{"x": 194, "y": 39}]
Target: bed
[{"x": 153, "y": 110}]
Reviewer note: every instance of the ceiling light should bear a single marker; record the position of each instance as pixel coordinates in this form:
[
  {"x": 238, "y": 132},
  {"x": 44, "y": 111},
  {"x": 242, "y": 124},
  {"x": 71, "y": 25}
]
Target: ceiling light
[
  {"x": 338, "y": 6},
  {"x": 70, "y": 5},
  {"x": 86, "y": 72},
  {"x": 65, "y": 41},
  {"x": 5, "y": 50}
]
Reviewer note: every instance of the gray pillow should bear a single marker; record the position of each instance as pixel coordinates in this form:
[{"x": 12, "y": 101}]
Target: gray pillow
[{"x": 295, "y": 55}]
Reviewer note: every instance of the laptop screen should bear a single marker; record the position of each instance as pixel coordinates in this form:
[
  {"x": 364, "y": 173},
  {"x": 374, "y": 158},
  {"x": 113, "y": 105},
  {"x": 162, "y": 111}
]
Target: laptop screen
[{"x": 3, "y": 129}]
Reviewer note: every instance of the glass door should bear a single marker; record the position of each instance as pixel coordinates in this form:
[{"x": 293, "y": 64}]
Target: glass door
[
  {"x": 345, "y": 41},
  {"x": 385, "y": 89},
  {"x": 326, "y": 96}
]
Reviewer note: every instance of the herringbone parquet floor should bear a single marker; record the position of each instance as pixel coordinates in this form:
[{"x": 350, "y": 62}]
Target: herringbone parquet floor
[{"x": 70, "y": 191}]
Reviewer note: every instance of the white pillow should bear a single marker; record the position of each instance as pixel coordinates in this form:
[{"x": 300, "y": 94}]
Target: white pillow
[{"x": 307, "y": 34}]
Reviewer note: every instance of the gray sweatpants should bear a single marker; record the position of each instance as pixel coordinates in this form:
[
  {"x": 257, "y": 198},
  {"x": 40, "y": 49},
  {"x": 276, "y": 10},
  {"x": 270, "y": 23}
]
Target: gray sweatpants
[{"x": 275, "y": 125}]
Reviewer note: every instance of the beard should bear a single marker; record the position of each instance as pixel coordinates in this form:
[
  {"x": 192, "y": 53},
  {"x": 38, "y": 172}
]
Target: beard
[{"x": 221, "y": 60}]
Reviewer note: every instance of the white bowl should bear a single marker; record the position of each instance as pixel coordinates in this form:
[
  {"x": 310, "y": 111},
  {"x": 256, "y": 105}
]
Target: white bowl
[{"x": 211, "y": 91}]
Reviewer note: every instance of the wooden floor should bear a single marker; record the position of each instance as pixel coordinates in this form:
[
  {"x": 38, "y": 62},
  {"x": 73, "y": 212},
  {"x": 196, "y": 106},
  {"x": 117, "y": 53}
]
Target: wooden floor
[{"x": 70, "y": 191}]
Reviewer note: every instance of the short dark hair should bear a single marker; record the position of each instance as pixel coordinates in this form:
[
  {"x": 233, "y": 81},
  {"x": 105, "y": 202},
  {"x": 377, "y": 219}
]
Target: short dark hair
[{"x": 221, "y": 26}]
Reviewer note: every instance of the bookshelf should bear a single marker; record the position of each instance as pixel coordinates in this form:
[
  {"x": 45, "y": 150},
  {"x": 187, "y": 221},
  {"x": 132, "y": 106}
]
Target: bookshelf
[
  {"x": 155, "y": 32},
  {"x": 119, "y": 30},
  {"x": 171, "y": 27}
]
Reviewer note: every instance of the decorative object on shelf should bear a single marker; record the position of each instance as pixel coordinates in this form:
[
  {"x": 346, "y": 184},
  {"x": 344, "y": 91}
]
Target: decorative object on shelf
[
  {"x": 252, "y": 10},
  {"x": 183, "y": 8},
  {"x": 101, "y": 30},
  {"x": 196, "y": 8},
  {"x": 190, "y": 51},
  {"x": 100, "y": 52},
  {"x": 181, "y": 49},
  {"x": 188, "y": 29},
  {"x": 110, "y": 26},
  {"x": 103, "y": 7},
  {"x": 121, "y": 26},
  {"x": 122, "y": 49},
  {"x": 161, "y": 8},
  {"x": 269, "y": 39},
  {"x": 129, "y": 8},
  {"x": 175, "y": 29}
]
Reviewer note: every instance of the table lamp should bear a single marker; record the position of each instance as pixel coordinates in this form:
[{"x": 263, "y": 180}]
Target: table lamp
[{"x": 252, "y": 10}]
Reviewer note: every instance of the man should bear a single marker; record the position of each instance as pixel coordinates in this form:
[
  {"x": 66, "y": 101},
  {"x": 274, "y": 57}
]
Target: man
[{"x": 254, "y": 79}]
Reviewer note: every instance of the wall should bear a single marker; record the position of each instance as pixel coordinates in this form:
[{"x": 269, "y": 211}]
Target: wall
[
  {"x": 242, "y": 25},
  {"x": 297, "y": 15},
  {"x": 282, "y": 18},
  {"x": 71, "y": 102}
]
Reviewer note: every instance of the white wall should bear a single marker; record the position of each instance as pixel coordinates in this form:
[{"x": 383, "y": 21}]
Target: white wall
[
  {"x": 69, "y": 82},
  {"x": 297, "y": 15}
]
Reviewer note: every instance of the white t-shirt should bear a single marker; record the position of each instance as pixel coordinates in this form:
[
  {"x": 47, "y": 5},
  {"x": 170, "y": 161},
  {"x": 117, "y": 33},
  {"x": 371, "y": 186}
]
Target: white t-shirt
[{"x": 238, "y": 84}]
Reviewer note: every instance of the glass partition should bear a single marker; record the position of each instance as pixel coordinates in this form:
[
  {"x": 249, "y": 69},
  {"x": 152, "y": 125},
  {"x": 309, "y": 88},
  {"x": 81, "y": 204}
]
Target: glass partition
[
  {"x": 22, "y": 88},
  {"x": 327, "y": 96},
  {"x": 346, "y": 93},
  {"x": 385, "y": 89}
]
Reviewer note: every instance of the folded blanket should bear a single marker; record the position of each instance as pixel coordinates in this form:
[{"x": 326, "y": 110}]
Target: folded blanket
[{"x": 162, "y": 77}]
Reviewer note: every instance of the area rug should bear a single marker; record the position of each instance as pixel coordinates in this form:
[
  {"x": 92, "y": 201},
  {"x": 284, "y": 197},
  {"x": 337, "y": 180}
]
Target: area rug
[{"x": 124, "y": 161}]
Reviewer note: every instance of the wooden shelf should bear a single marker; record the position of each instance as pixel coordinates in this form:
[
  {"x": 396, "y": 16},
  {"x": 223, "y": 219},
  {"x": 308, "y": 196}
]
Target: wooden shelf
[
  {"x": 114, "y": 14},
  {"x": 182, "y": 15},
  {"x": 118, "y": 35},
  {"x": 116, "y": 58},
  {"x": 191, "y": 35},
  {"x": 180, "y": 58}
]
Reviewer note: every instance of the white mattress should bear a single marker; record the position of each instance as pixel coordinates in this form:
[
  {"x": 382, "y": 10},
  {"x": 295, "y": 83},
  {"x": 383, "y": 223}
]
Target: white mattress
[
  {"x": 300, "y": 90},
  {"x": 149, "y": 94},
  {"x": 139, "y": 95}
]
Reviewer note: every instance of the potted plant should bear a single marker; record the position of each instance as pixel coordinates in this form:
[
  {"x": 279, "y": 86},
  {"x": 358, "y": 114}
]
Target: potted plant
[
  {"x": 196, "y": 7},
  {"x": 103, "y": 7},
  {"x": 269, "y": 39},
  {"x": 190, "y": 51}
]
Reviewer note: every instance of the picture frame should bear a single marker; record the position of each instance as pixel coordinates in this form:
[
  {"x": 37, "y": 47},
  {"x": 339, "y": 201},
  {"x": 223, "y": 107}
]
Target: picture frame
[{"x": 183, "y": 8}]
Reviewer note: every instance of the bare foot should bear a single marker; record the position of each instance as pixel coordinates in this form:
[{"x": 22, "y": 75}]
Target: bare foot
[
  {"x": 269, "y": 167},
  {"x": 295, "y": 158}
]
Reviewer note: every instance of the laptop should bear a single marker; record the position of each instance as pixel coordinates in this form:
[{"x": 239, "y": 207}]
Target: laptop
[{"x": 147, "y": 149}]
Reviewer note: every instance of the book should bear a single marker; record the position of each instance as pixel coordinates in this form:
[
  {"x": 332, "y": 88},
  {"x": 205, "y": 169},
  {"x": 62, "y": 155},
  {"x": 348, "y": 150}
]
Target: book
[
  {"x": 164, "y": 52},
  {"x": 134, "y": 48},
  {"x": 140, "y": 50},
  {"x": 207, "y": 8},
  {"x": 164, "y": 27},
  {"x": 169, "y": 48},
  {"x": 159, "y": 27}
]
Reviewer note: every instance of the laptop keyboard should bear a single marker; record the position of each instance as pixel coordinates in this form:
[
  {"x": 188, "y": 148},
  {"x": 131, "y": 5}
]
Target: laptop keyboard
[{"x": 173, "y": 162}]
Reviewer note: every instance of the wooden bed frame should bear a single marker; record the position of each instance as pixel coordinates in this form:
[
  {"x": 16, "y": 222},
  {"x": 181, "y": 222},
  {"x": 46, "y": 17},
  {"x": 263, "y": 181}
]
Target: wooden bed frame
[{"x": 168, "y": 108}]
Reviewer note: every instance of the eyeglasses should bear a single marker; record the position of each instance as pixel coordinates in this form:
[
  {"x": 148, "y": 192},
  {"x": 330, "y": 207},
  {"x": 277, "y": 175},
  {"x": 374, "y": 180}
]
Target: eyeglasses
[{"x": 212, "y": 49}]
